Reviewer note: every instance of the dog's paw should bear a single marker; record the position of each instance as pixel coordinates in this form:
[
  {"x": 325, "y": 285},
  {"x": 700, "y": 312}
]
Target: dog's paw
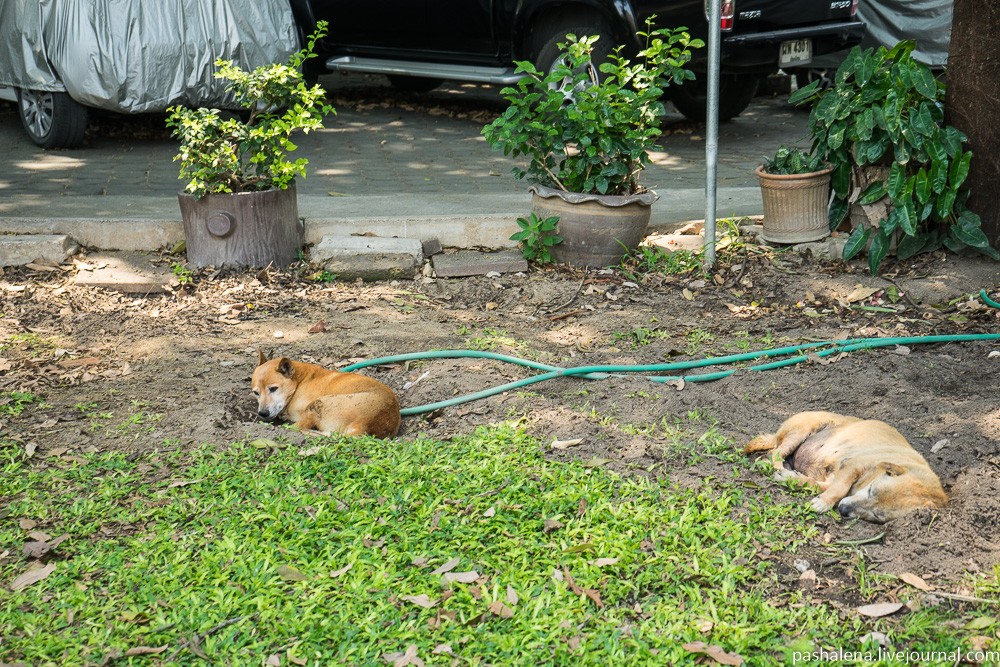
[
  {"x": 819, "y": 505},
  {"x": 786, "y": 475}
]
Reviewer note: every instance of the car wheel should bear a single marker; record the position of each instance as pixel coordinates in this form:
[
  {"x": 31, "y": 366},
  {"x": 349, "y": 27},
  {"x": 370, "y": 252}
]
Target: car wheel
[
  {"x": 52, "y": 120},
  {"x": 735, "y": 94},
  {"x": 549, "y": 36},
  {"x": 413, "y": 84}
]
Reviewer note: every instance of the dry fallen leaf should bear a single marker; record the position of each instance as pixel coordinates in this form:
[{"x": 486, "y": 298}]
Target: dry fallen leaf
[
  {"x": 182, "y": 483},
  {"x": 915, "y": 581},
  {"x": 688, "y": 294},
  {"x": 422, "y": 600},
  {"x": 404, "y": 659},
  {"x": 319, "y": 327},
  {"x": 880, "y": 609},
  {"x": 447, "y": 567},
  {"x": 860, "y": 293},
  {"x": 491, "y": 512},
  {"x": 462, "y": 577},
  {"x": 512, "y": 597},
  {"x": 341, "y": 571},
  {"x": 26, "y": 524},
  {"x": 145, "y": 650},
  {"x": 602, "y": 562},
  {"x": 442, "y": 648},
  {"x": 498, "y": 608},
  {"x": 566, "y": 444},
  {"x": 273, "y": 660},
  {"x": 289, "y": 573},
  {"x": 716, "y": 653},
  {"x": 31, "y": 576},
  {"x": 78, "y": 363},
  {"x": 551, "y": 525}
]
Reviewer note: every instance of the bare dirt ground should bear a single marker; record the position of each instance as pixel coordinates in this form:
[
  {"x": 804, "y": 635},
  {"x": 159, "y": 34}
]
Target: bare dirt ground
[{"x": 120, "y": 372}]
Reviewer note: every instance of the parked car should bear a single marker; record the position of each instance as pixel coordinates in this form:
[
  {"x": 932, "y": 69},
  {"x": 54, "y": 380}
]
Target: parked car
[
  {"x": 57, "y": 59},
  {"x": 927, "y": 22},
  {"x": 419, "y": 43}
]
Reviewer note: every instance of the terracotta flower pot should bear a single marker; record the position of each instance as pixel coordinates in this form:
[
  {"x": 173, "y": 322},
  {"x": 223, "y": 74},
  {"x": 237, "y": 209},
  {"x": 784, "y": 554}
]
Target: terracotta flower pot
[
  {"x": 795, "y": 206},
  {"x": 597, "y": 230},
  {"x": 242, "y": 229}
]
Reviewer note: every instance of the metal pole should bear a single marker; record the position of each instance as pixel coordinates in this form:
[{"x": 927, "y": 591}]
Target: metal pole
[{"x": 712, "y": 127}]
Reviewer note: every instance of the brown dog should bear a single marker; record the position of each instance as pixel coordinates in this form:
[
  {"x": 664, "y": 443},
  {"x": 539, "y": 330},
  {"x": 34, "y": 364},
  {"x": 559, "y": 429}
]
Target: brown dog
[
  {"x": 864, "y": 468},
  {"x": 322, "y": 400}
]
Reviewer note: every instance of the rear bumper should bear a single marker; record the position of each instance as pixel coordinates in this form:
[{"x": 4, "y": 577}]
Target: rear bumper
[{"x": 757, "y": 53}]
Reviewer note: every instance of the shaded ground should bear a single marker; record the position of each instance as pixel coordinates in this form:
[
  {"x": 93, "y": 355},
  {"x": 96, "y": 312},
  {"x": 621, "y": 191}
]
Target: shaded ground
[{"x": 120, "y": 372}]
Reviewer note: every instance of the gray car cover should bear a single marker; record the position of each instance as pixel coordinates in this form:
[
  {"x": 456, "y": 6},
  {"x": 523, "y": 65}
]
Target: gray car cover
[
  {"x": 139, "y": 55},
  {"x": 890, "y": 21}
]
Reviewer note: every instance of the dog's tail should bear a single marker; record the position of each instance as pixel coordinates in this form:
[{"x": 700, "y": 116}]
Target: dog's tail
[{"x": 762, "y": 443}]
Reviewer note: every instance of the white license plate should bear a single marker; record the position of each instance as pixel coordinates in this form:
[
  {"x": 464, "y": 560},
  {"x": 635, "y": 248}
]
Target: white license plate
[{"x": 795, "y": 52}]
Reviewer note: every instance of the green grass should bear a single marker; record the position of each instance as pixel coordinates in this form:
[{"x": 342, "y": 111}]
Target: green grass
[
  {"x": 248, "y": 547},
  {"x": 12, "y": 403}
]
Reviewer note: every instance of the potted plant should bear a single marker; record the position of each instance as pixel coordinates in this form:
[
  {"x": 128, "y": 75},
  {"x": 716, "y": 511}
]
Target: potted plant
[
  {"x": 795, "y": 189},
  {"x": 587, "y": 137},
  {"x": 898, "y": 170},
  {"x": 239, "y": 206}
]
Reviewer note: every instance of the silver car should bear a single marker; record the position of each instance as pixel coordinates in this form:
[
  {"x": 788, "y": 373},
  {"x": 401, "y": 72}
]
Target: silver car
[{"x": 57, "y": 59}]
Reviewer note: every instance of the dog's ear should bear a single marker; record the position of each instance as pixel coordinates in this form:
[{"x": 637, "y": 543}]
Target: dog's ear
[
  {"x": 893, "y": 470},
  {"x": 285, "y": 367},
  {"x": 261, "y": 359}
]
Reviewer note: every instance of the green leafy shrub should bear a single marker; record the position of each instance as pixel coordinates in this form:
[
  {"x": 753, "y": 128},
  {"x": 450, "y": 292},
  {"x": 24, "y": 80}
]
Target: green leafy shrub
[
  {"x": 584, "y": 132},
  {"x": 788, "y": 161},
  {"x": 885, "y": 110},
  {"x": 227, "y": 154},
  {"x": 537, "y": 236}
]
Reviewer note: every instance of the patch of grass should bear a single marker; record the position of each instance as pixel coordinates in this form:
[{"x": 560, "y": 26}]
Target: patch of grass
[
  {"x": 497, "y": 340},
  {"x": 649, "y": 260},
  {"x": 12, "y": 403},
  {"x": 691, "y": 438},
  {"x": 638, "y": 337},
  {"x": 31, "y": 343},
  {"x": 697, "y": 341},
  {"x": 323, "y": 556}
]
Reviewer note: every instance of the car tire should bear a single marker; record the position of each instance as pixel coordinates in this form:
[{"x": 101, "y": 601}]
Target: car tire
[
  {"x": 413, "y": 84},
  {"x": 545, "y": 49},
  {"x": 52, "y": 119},
  {"x": 735, "y": 94}
]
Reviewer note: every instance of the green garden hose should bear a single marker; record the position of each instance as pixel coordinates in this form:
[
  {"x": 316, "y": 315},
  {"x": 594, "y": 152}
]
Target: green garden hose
[{"x": 604, "y": 371}]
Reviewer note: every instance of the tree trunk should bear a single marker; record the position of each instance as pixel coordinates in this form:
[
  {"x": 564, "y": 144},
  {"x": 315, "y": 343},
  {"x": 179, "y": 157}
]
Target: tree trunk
[{"x": 973, "y": 102}]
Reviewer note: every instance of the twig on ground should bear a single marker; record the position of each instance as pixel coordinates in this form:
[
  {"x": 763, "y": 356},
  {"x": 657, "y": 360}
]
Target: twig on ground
[
  {"x": 572, "y": 298},
  {"x": 197, "y": 639}
]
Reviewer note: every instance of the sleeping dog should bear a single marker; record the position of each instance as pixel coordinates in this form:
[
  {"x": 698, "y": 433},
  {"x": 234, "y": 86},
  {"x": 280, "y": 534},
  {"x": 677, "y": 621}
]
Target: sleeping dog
[
  {"x": 864, "y": 468},
  {"x": 322, "y": 400}
]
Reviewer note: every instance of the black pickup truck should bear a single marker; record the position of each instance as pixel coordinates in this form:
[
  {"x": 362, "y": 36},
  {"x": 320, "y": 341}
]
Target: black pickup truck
[{"x": 419, "y": 43}]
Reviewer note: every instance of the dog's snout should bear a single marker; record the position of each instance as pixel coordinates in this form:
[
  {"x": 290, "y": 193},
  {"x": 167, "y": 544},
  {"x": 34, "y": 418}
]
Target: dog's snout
[
  {"x": 845, "y": 510},
  {"x": 263, "y": 414}
]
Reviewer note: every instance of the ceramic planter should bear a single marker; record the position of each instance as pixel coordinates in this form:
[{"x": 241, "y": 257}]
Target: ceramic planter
[
  {"x": 795, "y": 206},
  {"x": 597, "y": 230}
]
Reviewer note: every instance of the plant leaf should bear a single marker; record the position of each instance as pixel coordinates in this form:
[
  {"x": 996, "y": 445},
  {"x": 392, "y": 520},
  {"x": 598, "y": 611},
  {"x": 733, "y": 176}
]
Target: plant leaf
[{"x": 857, "y": 241}]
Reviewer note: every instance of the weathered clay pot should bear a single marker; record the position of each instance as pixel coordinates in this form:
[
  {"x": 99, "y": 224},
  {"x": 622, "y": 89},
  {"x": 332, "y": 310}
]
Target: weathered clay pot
[
  {"x": 597, "y": 230},
  {"x": 795, "y": 206},
  {"x": 242, "y": 229}
]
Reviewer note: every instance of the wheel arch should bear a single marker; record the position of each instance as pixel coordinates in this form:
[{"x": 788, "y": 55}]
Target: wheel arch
[{"x": 530, "y": 17}]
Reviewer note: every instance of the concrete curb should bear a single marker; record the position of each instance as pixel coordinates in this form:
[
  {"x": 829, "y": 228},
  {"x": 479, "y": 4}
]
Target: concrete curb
[{"x": 462, "y": 221}]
